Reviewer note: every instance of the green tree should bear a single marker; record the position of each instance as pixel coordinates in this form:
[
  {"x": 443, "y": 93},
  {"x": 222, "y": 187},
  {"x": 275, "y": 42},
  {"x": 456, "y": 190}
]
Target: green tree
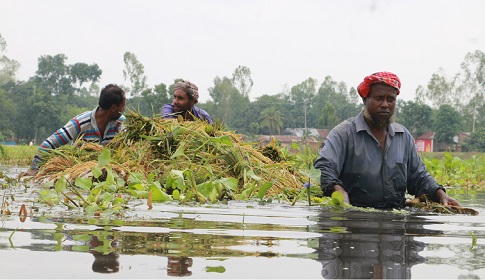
[
  {"x": 335, "y": 93},
  {"x": 82, "y": 73},
  {"x": 476, "y": 141},
  {"x": 472, "y": 87},
  {"x": 447, "y": 124},
  {"x": 134, "y": 72},
  {"x": 8, "y": 67},
  {"x": 228, "y": 101},
  {"x": 271, "y": 118},
  {"x": 416, "y": 117},
  {"x": 328, "y": 119},
  {"x": 53, "y": 74},
  {"x": 301, "y": 97},
  {"x": 241, "y": 79},
  {"x": 441, "y": 90}
]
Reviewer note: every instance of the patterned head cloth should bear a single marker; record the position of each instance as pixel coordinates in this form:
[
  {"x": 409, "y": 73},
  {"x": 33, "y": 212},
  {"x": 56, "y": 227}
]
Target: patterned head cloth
[
  {"x": 189, "y": 88},
  {"x": 379, "y": 77}
]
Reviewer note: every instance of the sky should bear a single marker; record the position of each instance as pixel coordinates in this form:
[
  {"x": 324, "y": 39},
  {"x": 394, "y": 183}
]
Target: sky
[{"x": 283, "y": 42}]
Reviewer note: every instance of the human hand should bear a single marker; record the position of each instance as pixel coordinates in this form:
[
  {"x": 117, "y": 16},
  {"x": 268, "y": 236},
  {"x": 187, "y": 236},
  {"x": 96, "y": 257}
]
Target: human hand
[
  {"x": 30, "y": 172},
  {"x": 339, "y": 188},
  {"x": 445, "y": 199}
]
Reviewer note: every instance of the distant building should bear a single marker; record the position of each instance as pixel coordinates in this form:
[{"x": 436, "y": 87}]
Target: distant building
[
  {"x": 424, "y": 143},
  {"x": 315, "y": 137}
]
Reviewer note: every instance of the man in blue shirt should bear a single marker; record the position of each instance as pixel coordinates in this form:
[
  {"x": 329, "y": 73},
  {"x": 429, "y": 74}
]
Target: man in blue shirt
[
  {"x": 185, "y": 96},
  {"x": 373, "y": 161}
]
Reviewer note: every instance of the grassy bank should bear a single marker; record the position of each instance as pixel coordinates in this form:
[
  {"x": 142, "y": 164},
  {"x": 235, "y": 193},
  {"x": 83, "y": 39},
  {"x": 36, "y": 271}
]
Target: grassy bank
[{"x": 20, "y": 155}]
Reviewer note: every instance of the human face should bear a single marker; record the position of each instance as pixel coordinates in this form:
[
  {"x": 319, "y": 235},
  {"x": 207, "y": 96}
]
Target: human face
[
  {"x": 380, "y": 104},
  {"x": 181, "y": 101},
  {"x": 118, "y": 110}
]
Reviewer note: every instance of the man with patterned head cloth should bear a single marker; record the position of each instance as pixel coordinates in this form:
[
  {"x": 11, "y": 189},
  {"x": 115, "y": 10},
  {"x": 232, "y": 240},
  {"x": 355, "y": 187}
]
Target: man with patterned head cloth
[
  {"x": 371, "y": 160},
  {"x": 185, "y": 96}
]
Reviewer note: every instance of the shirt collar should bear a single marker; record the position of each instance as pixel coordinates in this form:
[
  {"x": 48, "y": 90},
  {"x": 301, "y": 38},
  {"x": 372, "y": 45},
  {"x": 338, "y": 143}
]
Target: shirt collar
[{"x": 361, "y": 124}]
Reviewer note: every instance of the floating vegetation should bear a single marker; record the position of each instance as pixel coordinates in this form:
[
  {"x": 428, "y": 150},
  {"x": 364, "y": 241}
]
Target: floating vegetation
[
  {"x": 423, "y": 202},
  {"x": 170, "y": 160}
]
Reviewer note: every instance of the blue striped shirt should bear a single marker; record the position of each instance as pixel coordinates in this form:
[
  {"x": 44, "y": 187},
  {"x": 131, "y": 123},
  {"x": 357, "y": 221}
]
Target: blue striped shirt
[{"x": 82, "y": 126}]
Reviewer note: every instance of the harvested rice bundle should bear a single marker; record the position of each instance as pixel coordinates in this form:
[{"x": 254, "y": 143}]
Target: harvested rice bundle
[{"x": 154, "y": 145}]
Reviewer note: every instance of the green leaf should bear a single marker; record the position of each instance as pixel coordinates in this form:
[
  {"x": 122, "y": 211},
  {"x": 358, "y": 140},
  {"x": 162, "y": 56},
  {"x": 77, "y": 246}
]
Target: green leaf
[
  {"x": 315, "y": 174},
  {"x": 251, "y": 174},
  {"x": 84, "y": 183},
  {"x": 60, "y": 185},
  {"x": 81, "y": 237},
  {"x": 218, "y": 269},
  {"x": 104, "y": 157},
  {"x": 224, "y": 139},
  {"x": 91, "y": 208},
  {"x": 110, "y": 180},
  {"x": 262, "y": 191},
  {"x": 107, "y": 197},
  {"x": 80, "y": 248},
  {"x": 230, "y": 183},
  {"x": 138, "y": 187},
  {"x": 176, "y": 194},
  {"x": 295, "y": 146},
  {"x": 118, "y": 200},
  {"x": 136, "y": 177},
  {"x": 150, "y": 177},
  {"x": 176, "y": 180},
  {"x": 159, "y": 195},
  {"x": 337, "y": 198},
  {"x": 48, "y": 194},
  {"x": 138, "y": 194},
  {"x": 96, "y": 172},
  {"x": 180, "y": 151}
]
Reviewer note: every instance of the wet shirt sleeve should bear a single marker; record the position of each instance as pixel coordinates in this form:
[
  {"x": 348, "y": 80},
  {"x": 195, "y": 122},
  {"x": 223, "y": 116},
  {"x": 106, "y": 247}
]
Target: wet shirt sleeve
[
  {"x": 331, "y": 158},
  {"x": 419, "y": 180}
]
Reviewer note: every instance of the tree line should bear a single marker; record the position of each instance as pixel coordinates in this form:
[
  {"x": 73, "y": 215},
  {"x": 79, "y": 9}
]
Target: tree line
[{"x": 58, "y": 91}]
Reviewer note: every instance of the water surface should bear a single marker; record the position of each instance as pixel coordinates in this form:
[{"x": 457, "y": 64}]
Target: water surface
[{"x": 239, "y": 240}]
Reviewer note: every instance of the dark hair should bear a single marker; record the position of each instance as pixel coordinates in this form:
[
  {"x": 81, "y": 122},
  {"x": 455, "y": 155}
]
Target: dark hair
[{"x": 111, "y": 94}]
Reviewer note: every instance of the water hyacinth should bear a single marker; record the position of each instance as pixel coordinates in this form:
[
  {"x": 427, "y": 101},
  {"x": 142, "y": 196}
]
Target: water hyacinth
[{"x": 165, "y": 160}]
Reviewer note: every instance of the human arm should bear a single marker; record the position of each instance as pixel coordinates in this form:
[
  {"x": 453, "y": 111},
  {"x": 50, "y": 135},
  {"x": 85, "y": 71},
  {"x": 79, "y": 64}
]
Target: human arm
[
  {"x": 421, "y": 182},
  {"x": 70, "y": 131},
  {"x": 167, "y": 111},
  {"x": 330, "y": 161}
]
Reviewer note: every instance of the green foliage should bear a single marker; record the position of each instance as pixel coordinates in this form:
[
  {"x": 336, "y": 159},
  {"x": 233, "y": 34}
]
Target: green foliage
[
  {"x": 328, "y": 118},
  {"x": 447, "y": 124},
  {"x": 134, "y": 72},
  {"x": 476, "y": 141},
  {"x": 271, "y": 118},
  {"x": 456, "y": 172},
  {"x": 416, "y": 117}
]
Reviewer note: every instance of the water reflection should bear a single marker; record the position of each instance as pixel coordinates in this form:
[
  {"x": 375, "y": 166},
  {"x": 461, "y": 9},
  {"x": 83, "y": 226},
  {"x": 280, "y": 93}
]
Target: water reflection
[
  {"x": 104, "y": 262},
  {"x": 179, "y": 266},
  {"x": 378, "y": 245}
]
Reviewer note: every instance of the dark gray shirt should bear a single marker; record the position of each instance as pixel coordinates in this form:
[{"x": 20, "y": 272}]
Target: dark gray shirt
[{"x": 352, "y": 158}]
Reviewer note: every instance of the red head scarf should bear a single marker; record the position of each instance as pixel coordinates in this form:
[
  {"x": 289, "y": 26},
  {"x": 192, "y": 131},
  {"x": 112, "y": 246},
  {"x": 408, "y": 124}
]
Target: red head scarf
[{"x": 379, "y": 77}]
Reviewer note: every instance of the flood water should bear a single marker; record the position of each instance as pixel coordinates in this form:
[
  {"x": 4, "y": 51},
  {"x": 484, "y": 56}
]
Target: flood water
[{"x": 239, "y": 240}]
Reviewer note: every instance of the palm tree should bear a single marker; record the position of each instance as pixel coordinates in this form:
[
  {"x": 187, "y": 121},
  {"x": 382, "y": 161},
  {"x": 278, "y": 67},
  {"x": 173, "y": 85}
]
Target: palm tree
[{"x": 271, "y": 118}]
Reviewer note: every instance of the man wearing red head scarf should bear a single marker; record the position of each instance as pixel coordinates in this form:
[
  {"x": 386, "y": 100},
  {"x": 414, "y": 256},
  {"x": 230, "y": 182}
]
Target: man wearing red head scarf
[{"x": 373, "y": 161}]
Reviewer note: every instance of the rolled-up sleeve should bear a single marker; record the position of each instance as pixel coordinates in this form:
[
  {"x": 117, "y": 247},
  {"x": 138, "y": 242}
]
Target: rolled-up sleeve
[
  {"x": 331, "y": 159},
  {"x": 419, "y": 180}
]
